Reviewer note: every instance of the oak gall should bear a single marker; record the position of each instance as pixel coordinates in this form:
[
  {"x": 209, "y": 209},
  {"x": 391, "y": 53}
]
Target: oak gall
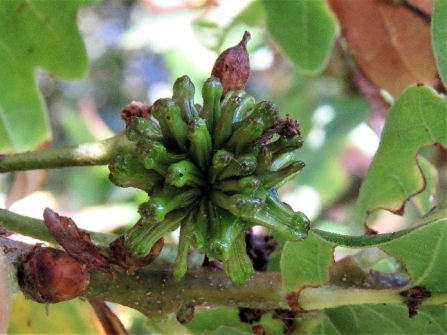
[
  {"x": 232, "y": 67},
  {"x": 49, "y": 275}
]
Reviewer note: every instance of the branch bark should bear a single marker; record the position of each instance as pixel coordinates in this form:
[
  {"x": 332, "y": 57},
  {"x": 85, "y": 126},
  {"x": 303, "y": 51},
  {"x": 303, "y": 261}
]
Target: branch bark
[{"x": 154, "y": 293}]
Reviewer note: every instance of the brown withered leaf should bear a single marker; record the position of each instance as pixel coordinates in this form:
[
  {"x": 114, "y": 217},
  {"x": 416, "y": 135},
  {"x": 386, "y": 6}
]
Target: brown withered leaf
[
  {"x": 109, "y": 320},
  {"x": 410, "y": 32},
  {"x": 284, "y": 127},
  {"x": 390, "y": 42},
  {"x": 76, "y": 242},
  {"x": 232, "y": 67}
]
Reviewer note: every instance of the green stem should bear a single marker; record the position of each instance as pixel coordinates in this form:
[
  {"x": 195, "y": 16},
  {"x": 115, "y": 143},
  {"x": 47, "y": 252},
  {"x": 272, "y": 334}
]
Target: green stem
[
  {"x": 318, "y": 298},
  {"x": 96, "y": 153},
  {"x": 25, "y": 225},
  {"x": 37, "y": 229},
  {"x": 155, "y": 293}
]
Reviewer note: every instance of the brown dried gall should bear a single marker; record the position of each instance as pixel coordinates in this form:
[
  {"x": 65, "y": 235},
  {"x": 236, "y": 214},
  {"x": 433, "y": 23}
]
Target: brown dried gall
[
  {"x": 49, "y": 275},
  {"x": 232, "y": 67}
]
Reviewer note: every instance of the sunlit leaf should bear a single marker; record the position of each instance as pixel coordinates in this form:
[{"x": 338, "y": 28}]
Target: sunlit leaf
[
  {"x": 305, "y": 30},
  {"x": 74, "y": 316},
  {"x": 417, "y": 118},
  {"x": 34, "y": 34}
]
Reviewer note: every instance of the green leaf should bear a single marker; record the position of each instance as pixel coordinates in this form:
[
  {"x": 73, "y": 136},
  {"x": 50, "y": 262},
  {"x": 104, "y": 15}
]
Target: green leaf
[
  {"x": 439, "y": 37},
  {"x": 306, "y": 271},
  {"x": 388, "y": 319},
  {"x": 252, "y": 15},
  {"x": 416, "y": 119},
  {"x": 376, "y": 319},
  {"x": 204, "y": 320},
  {"x": 304, "y": 29},
  {"x": 424, "y": 262},
  {"x": 225, "y": 330},
  {"x": 315, "y": 256},
  {"x": 422, "y": 202},
  {"x": 34, "y": 34},
  {"x": 167, "y": 324}
]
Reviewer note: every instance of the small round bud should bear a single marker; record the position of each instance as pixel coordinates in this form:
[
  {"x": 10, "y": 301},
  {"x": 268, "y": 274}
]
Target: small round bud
[{"x": 49, "y": 275}]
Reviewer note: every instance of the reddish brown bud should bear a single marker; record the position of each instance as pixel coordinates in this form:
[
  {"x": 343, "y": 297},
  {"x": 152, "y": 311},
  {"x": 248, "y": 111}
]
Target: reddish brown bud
[
  {"x": 232, "y": 67},
  {"x": 49, "y": 275},
  {"x": 136, "y": 108}
]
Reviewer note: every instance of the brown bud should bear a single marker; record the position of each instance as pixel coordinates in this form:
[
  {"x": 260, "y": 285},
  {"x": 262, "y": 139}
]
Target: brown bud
[
  {"x": 232, "y": 67},
  {"x": 136, "y": 108},
  {"x": 76, "y": 241},
  {"x": 121, "y": 256},
  {"x": 49, "y": 275}
]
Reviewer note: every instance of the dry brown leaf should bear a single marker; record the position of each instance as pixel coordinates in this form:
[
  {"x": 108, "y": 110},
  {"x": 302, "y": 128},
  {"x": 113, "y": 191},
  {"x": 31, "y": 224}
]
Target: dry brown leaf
[
  {"x": 76, "y": 242},
  {"x": 390, "y": 43},
  {"x": 409, "y": 33},
  {"x": 109, "y": 320}
]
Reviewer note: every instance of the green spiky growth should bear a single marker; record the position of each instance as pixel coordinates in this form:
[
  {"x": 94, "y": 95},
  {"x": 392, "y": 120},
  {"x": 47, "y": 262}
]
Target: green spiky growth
[{"x": 211, "y": 170}]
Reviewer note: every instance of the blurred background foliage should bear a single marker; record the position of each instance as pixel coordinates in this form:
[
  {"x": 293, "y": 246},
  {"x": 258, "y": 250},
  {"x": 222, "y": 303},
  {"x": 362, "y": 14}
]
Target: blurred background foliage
[{"x": 137, "y": 49}]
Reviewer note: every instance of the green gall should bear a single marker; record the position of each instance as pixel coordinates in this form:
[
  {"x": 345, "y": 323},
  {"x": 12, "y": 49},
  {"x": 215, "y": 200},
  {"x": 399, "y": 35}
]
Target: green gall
[{"x": 213, "y": 171}]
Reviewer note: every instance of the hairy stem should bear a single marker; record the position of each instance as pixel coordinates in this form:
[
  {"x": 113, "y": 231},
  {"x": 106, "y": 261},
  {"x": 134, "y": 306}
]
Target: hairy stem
[{"x": 96, "y": 153}]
